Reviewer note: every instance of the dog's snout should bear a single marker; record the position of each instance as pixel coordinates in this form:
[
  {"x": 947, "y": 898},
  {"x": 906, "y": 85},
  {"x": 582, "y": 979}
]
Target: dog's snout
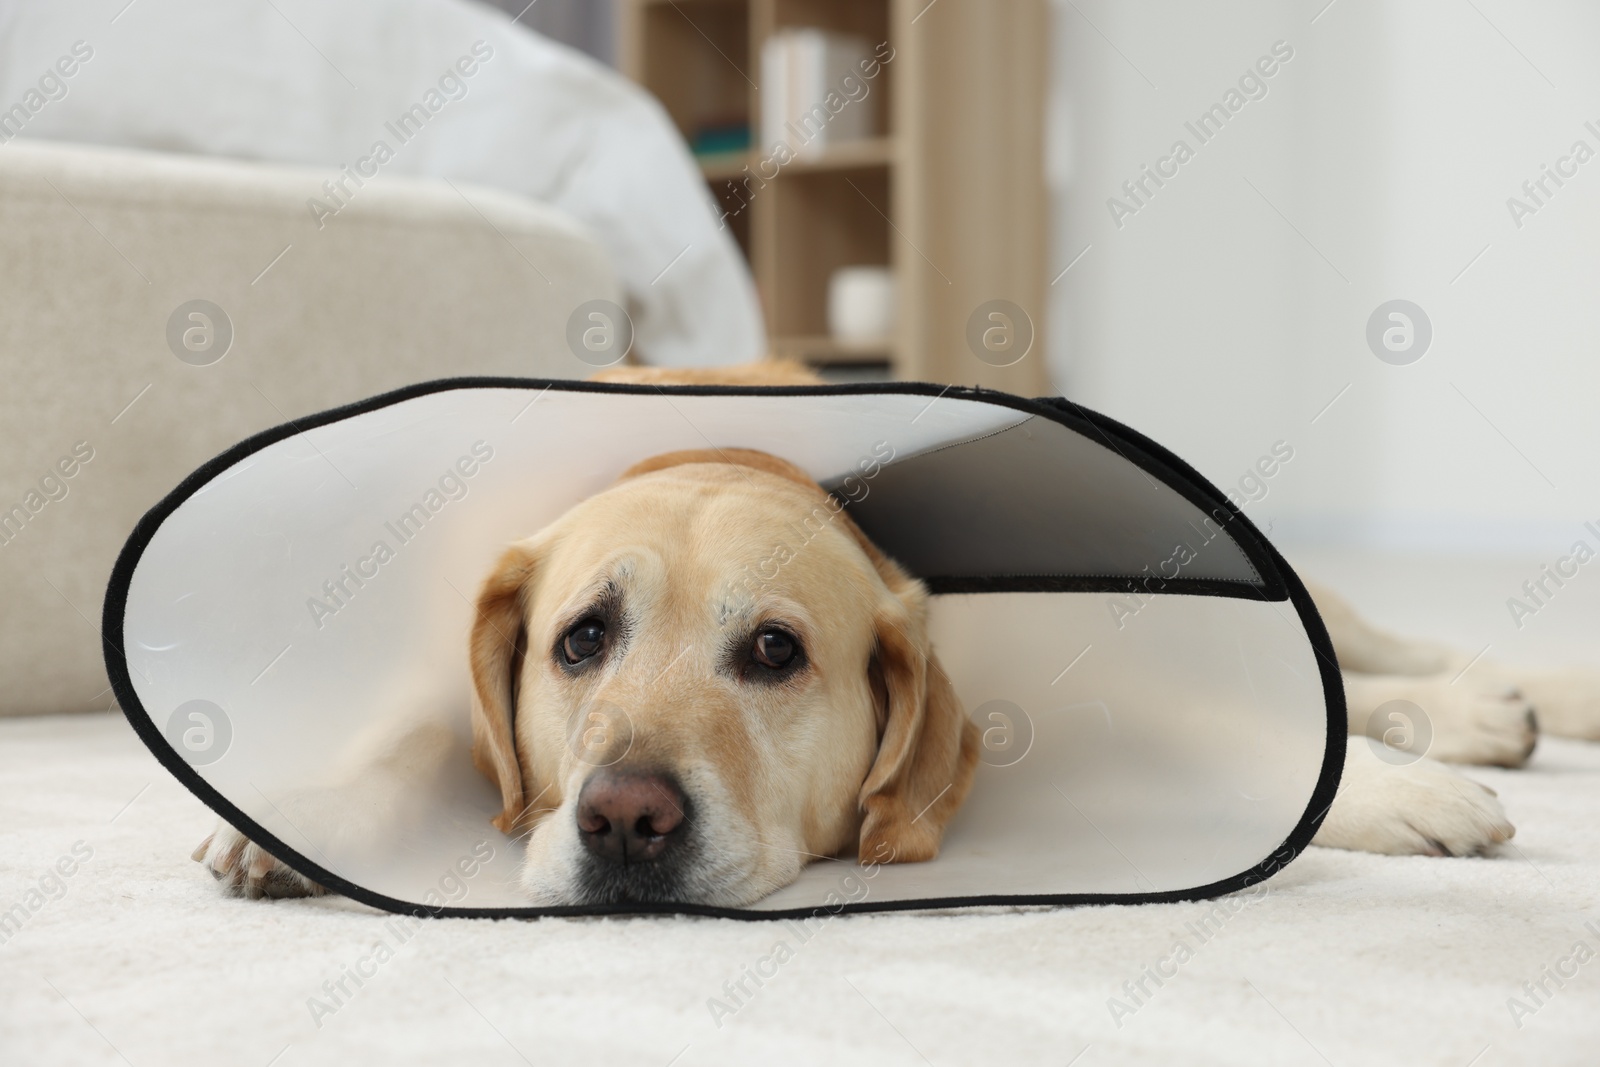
[{"x": 630, "y": 816}]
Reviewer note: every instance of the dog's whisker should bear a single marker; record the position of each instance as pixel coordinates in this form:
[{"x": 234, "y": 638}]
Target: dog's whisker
[{"x": 795, "y": 851}]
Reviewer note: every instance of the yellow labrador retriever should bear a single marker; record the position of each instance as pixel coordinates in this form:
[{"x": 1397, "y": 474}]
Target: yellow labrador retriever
[{"x": 661, "y": 729}]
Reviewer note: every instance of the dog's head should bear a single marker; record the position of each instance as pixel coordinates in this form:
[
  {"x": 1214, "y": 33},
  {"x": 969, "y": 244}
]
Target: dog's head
[{"x": 689, "y": 686}]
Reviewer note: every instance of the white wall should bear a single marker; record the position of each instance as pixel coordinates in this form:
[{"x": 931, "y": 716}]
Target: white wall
[{"x": 1391, "y": 142}]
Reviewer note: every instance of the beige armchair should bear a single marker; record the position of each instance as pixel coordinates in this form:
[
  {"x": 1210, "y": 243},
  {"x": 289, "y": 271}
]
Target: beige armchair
[{"x": 155, "y": 309}]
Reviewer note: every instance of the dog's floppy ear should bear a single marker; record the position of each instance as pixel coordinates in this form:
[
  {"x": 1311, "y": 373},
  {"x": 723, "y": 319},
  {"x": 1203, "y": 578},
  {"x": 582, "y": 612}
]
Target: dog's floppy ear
[
  {"x": 927, "y": 747},
  {"x": 499, "y": 641}
]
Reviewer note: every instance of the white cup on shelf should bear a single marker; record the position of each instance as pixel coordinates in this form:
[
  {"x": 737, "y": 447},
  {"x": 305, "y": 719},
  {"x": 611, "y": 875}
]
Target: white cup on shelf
[{"x": 861, "y": 304}]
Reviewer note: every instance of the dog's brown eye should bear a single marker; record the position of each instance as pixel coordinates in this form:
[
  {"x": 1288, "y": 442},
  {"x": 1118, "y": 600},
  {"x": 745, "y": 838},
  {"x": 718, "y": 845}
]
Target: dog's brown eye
[
  {"x": 583, "y": 640},
  {"x": 773, "y": 649}
]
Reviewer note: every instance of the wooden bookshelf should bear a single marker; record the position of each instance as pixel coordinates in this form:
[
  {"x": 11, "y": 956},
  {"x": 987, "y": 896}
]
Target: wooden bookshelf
[{"x": 950, "y": 197}]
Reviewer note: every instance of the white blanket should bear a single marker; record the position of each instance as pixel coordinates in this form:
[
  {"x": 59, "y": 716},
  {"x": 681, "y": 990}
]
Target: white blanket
[{"x": 321, "y": 83}]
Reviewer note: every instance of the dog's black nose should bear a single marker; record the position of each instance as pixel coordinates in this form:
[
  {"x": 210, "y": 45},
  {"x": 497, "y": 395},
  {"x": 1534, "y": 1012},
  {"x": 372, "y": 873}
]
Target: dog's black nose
[{"x": 630, "y": 816}]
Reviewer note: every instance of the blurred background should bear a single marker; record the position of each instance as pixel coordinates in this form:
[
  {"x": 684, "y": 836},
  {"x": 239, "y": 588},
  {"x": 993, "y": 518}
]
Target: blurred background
[
  {"x": 1229, "y": 310},
  {"x": 1337, "y": 255}
]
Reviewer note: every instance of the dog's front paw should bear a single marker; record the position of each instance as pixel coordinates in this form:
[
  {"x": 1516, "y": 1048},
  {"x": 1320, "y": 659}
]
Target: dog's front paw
[
  {"x": 1488, "y": 722},
  {"x": 1414, "y": 809},
  {"x": 1485, "y": 723},
  {"x": 245, "y": 869}
]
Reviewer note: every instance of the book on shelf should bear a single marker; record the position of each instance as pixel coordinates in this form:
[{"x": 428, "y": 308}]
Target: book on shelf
[{"x": 813, "y": 91}]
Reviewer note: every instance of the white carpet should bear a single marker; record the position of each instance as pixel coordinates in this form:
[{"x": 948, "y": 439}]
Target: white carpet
[{"x": 1344, "y": 958}]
